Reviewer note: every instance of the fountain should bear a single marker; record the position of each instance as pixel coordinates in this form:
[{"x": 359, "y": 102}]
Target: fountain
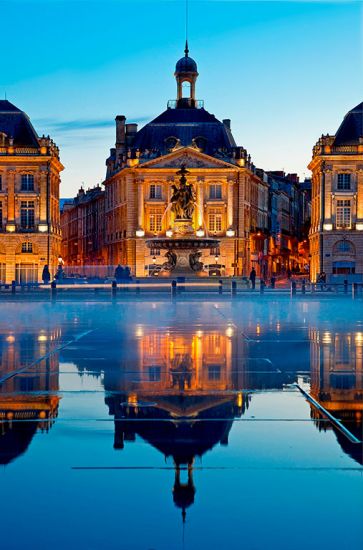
[{"x": 183, "y": 248}]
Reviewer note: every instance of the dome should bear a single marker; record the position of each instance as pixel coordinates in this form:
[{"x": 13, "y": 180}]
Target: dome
[{"x": 186, "y": 65}]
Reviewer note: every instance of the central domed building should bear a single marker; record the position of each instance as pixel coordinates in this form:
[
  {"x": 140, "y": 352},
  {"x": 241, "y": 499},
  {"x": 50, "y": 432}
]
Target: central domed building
[{"x": 230, "y": 198}]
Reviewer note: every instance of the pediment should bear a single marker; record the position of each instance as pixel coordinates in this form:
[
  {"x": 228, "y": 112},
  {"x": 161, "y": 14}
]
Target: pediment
[{"x": 187, "y": 156}]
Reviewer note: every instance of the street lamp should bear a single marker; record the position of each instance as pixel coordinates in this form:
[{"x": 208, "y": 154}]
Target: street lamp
[{"x": 200, "y": 232}]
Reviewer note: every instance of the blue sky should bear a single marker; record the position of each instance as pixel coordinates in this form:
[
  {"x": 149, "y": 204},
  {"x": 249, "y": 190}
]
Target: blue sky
[{"x": 284, "y": 72}]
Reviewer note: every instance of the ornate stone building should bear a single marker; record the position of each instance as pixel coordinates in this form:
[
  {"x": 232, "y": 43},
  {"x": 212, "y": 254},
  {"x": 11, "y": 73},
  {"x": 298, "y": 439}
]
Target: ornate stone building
[
  {"x": 83, "y": 232},
  {"x": 141, "y": 171},
  {"x": 29, "y": 199},
  {"x": 336, "y": 234}
]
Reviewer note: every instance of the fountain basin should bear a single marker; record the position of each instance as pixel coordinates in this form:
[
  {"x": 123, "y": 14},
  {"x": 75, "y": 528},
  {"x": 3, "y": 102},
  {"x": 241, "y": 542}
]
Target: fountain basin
[{"x": 183, "y": 254}]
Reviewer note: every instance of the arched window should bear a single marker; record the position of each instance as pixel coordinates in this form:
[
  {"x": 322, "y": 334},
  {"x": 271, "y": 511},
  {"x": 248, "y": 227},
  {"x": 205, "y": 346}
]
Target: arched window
[
  {"x": 186, "y": 89},
  {"x": 344, "y": 247}
]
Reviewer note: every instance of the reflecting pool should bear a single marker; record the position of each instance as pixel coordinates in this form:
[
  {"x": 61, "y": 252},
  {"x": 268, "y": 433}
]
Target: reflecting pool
[{"x": 182, "y": 425}]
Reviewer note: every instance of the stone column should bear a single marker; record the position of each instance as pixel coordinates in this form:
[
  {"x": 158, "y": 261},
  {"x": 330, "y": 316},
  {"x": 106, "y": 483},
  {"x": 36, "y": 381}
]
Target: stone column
[
  {"x": 140, "y": 204},
  {"x": 200, "y": 201},
  {"x": 230, "y": 188},
  {"x": 328, "y": 195},
  {"x": 10, "y": 177},
  {"x": 360, "y": 194}
]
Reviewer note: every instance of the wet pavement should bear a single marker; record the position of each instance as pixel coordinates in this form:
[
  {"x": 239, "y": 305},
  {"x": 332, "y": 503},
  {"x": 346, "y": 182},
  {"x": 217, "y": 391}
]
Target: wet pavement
[{"x": 170, "y": 425}]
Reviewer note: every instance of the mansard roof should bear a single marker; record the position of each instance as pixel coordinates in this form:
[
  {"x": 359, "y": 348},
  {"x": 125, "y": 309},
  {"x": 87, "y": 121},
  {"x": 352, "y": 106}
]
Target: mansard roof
[
  {"x": 185, "y": 125},
  {"x": 351, "y": 129},
  {"x": 15, "y": 124}
]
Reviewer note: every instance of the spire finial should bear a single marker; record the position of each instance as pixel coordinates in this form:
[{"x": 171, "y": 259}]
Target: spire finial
[{"x": 186, "y": 51}]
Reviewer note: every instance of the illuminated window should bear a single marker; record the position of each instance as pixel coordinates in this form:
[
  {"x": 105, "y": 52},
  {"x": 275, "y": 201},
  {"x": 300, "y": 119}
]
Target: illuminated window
[
  {"x": 343, "y": 214},
  {"x": 27, "y": 247},
  {"x": 1, "y": 215},
  {"x": 155, "y": 220},
  {"x": 215, "y": 191},
  {"x": 343, "y": 181},
  {"x": 344, "y": 247},
  {"x": 215, "y": 221},
  {"x": 155, "y": 191},
  {"x": 27, "y": 214},
  {"x": 27, "y": 182}
]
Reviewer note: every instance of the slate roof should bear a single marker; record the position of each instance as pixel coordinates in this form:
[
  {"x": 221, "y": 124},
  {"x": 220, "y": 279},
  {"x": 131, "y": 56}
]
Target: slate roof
[
  {"x": 16, "y": 124},
  {"x": 351, "y": 129},
  {"x": 184, "y": 124}
]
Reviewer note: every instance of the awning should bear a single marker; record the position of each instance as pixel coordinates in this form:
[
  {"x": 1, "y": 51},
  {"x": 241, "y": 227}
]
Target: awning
[{"x": 343, "y": 264}]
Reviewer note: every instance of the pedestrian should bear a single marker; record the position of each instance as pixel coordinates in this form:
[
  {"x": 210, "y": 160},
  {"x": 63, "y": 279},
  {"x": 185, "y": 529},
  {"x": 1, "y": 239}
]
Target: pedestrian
[
  {"x": 253, "y": 278},
  {"x": 119, "y": 273},
  {"x": 46, "y": 275},
  {"x": 127, "y": 273}
]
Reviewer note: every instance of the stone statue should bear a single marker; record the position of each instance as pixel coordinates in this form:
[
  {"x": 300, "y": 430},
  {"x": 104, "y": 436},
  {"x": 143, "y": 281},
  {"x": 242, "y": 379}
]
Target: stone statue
[
  {"x": 171, "y": 263},
  {"x": 183, "y": 198},
  {"x": 194, "y": 261}
]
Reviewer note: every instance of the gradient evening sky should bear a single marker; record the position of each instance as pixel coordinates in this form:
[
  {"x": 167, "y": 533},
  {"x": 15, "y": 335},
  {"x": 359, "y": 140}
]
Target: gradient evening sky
[{"x": 284, "y": 72}]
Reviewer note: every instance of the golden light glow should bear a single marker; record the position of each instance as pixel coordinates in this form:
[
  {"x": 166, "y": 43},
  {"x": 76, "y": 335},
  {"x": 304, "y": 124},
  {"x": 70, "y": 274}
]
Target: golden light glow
[
  {"x": 230, "y": 232},
  {"x": 359, "y": 226},
  {"x": 199, "y": 232},
  {"x": 10, "y": 228},
  {"x": 140, "y": 232},
  {"x": 10, "y": 339},
  {"x": 326, "y": 338},
  {"x": 328, "y": 226},
  {"x": 359, "y": 338},
  {"x": 169, "y": 232},
  {"x": 43, "y": 227}
]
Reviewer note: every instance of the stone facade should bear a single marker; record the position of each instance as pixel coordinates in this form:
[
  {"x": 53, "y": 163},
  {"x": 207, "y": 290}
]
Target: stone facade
[
  {"x": 336, "y": 234},
  {"x": 231, "y": 199},
  {"x": 30, "y": 169}
]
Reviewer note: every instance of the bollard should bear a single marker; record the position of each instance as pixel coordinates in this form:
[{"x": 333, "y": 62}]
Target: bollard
[
  {"x": 354, "y": 290},
  {"x": 114, "y": 289},
  {"x": 173, "y": 289},
  {"x": 303, "y": 287},
  {"x": 273, "y": 282},
  {"x": 293, "y": 288},
  {"x": 345, "y": 286},
  {"x": 233, "y": 288},
  {"x": 53, "y": 290},
  {"x": 262, "y": 286},
  {"x": 137, "y": 287},
  {"x": 220, "y": 287},
  {"x": 13, "y": 287}
]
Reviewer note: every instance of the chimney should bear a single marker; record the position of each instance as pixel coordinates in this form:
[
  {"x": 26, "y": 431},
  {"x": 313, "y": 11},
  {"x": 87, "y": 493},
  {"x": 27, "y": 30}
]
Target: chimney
[
  {"x": 120, "y": 132},
  {"x": 131, "y": 131},
  {"x": 227, "y": 123}
]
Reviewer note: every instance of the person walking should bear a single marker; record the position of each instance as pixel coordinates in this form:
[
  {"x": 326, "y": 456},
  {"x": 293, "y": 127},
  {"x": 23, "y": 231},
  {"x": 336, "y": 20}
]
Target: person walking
[
  {"x": 46, "y": 275},
  {"x": 253, "y": 278}
]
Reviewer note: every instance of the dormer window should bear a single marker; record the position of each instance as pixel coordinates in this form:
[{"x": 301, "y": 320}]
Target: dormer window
[
  {"x": 155, "y": 191},
  {"x": 343, "y": 182},
  {"x": 215, "y": 191},
  {"x": 27, "y": 182}
]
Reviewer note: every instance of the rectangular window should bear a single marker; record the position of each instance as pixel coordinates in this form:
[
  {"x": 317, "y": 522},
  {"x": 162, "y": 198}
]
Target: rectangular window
[
  {"x": 215, "y": 191},
  {"x": 27, "y": 182},
  {"x": 343, "y": 218},
  {"x": 27, "y": 217},
  {"x": 215, "y": 221},
  {"x": 343, "y": 181},
  {"x": 155, "y": 221},
  {"x": 26, "y": 273},
  {"x": 27, "y": 247},
  {"x": 214, "y": 372},
  {"x": 155, "y": 191}
]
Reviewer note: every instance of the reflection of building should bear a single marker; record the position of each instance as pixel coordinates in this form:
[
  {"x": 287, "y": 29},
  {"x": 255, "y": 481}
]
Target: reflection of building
[
  {"x": 336, "y": 234},
  {"x": 186, "y": 384},
  {"x": 28, "y": 400},
  {"x": 231, "y": 200},
  {"x": 337, "y": 382},
  {"x": 29, "y": 198}
]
